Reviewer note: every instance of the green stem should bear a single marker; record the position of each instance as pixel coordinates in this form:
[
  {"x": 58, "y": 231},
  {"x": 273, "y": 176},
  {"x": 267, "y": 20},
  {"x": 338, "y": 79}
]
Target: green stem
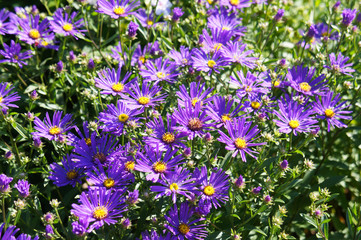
[{"x": 4, "y": 213}]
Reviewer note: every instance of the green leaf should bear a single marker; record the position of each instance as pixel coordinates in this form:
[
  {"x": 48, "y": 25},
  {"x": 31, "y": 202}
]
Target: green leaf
[{"x": 309, "y": 220}]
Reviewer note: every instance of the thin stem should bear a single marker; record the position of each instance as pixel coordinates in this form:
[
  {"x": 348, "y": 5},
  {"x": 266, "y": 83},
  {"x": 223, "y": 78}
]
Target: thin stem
[{"x": 4, "y": 213}]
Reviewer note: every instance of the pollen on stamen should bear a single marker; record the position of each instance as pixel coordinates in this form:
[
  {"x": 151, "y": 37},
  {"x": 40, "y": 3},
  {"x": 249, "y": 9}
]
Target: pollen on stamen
[
  {"x": 168, "y": 137},
  {"x": 68, "y": 27},
  {"x": 240, "y": 143},
  {"x": 209, "y": 190},
  {"x": 195, "y": 124},
  {"x": 183, "y": 228},
  {"x": 100, "y": 213},
  {"x": 159, "y": 167},
  {"x": 54, "y": 130},
  {"x": 305, "y": 87}
]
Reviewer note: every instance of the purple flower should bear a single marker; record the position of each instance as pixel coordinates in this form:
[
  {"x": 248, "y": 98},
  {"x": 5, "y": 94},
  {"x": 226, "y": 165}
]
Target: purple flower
[
  {"x": 132, "y": 30},
  {"x": 235, "y": 4},
  {"x": 157, "y": 165},
  {"x": 110, "y": 81},
  {"x": 9, "y": 232},
  {"x": 5, "y": 183},
  {"x": 49, "y": 231},
  {"x": 196, "y": 94},
  {"x": 235, "y": 52},
  {"x": 99, "y": 206},
  {"x": 6, "y": 99},
  {"x": 226, "y": 21},
  {"x": 336, "y": 5},
  {"x": 91, "y": 64},
  {"x": 32, "y": 32},
  {"x": 117, "y": 8},
  {"x": 192, "y": 121},
  {"x": 54, "y": 129},
  {"x": 159, "y": 70},
  {"x": 348, "y": 16},
  {"x": 249, "y": 86},
  {"x": 256, "y": 190},
  {"x": 23, "y": 188},
  {"x": 182, "y": 224},
  {"x": 220, "y": 110},
  {"x": 217, "y": 41},
  {"x": 59, "y": 66},
  {"x": 154, "y": 236},
  {"x": 239, "y": 182},
  {"x": 80, "y": 228},
  {"x": 330, "y": 109},
  {"x": 325, "y": 32},
  {"x": 4, "y": 14},
  {"x": 338, "y": 65},
  {"x": 182, "y": 58},
  {"x": 240, "y": 138},
  {"x": 177, "y": 182},
  {"x": 67, "y": 174},
  {"x": 284, "y": 165},
  {"x": 202, "y": 61},
  {"x": 279, "y": 15},
  {"x": 12, "y": 54},
  {"x": 214, "y": 189},
  {"x": 37, "y": 142},
  {"x": 24, "y": 236},
  {"x": 147, "y": 20},
  {"x": 66, "y": 25},
  {"x": 132, "y": 197},
  {"x": 267, "y": 199},
  {"x": 177, "y": 13}
]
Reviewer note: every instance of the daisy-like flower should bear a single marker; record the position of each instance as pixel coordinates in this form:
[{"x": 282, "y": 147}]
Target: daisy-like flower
[
  {"x": 348, "y": 16},
  {"x": 192, "y": 121},
  {"x": 9, "y": 232},
  {"x": 160, "y": 70},
  {"x": 117, "y": 8},
  {"x": 115, "y": 117},
  {"x": 235, "y": 52},
  {"x": 249, "y": 85},
  {"x": 147, "y": 20},
  {"x": 140, "y": 56},
  {"x": 32, "y": 31},
  {"x": 330, "y": 109},
  {"x": 324, "y": 33},
  {"x": 147, "y": 97},
  {"x": 234, "y": 5},
  {"x": 182, "y": 223},
  {"x": 83, "y": 135},
  {"x": 177, "y": 182},
  {"x": 164, "y": 137},
  {"x": 4, "y": 14},
  {"x": 111, "y": 81},
  {"x": 115, "y": 177},
  {"x": 6, "y": 99},
  {"x": 301, "y": 80},
  {"x": 54, "y": 129},
  {"x": 241, "y": 138},
  {"x": 294, "y": 117},
  {"x": 338, "y": 65},
  {"x": 208, "y": 62},
  {"x": 195, "y": 94},
  {"x": 157, "y": 165},
  {"x": 216, "y": 42},
  {"x": 66, "y": 25},
  {"x": 67, "y": 174},
  {"x": 181, "y": 58},
  {"x": 226, "y": 21},
  {"x": 220, "y": 110},
  {"x": 23, "y": 187},
  {"x": 12, "y": 54},
  {"x": 214, "y": 189},
  {"x": 99, "y": 206}
]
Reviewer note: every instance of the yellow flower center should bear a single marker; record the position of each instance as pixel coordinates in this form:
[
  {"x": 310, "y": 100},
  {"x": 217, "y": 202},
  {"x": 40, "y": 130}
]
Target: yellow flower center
[
  {"x": 226, "y": 117},
  {"x": 88, "y": 141},
  {"x": 72, "y": 174},
  {"x": 1, "y": 99},
  {"x": 255, "y": 105},
  {"x": 217, "y": 46},
  {"x": 159, "y": 167},
  {"x": 44, "y": 43},
  {"x": 129, "y": 165},
  {"x": 294, "y": 124},
  {"x": 234, "y": 2},
  {"x": 168, "y": 137},
  {"x": 329, "y": 113},
  {"x": 54, "y": 130},
  {"x": 184, "y": 61},
  {"x": 119, "y": 11},
  {"x": 108, "y": 183},
  {"x": 100, "y": 213},
  {"x": 211, "y": 63},
  {"x": 194, "y": 101},
  {"x": 34, "y": 34},
  {"x": 100, "y": 156},
  {"x": 195, "y": 124},
  {"x": 150, "y": 22},
  {"x": 160, "y": 75},
  {"x": 240, "y": 143},
  {"x": 226, "y": 28},
  {"x": 248, "y": 89},
  {"x": 208, "y": 190},
  {"x": 210, "y": 1},
  {"x": 173, "y": 187},
  {"x": 142, "y": 59},
  {"x": 143, "y": 100},
  {"x": 68, "y": 27},
  {"x": 183, "y": 228},
  {"x": 276, "y": 83},
  {"x": 118, "y": 87},
  {"x": 305, "y": 87},
  {"x": 123, "y": 117}
]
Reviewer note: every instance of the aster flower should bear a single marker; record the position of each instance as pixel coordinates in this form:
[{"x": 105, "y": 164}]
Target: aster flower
[
  {"x": 114, "y": 177},
  {"x": 26, "y": 237},
  {"x": 83, "y": 135},
  {"x": 157, "y": 165},
  {"x": 164, "y": 137},
  {"x": 279, "y": 15},
  {"x": 235, "y": 52},
  {"x": 5, "y": 99},
  {"x": 117, "y": 8},
  {"x": 54, "y": 129},
  {"x": 216, "y": 42},
  {"x": 5, "y": 183},
  {"x": 235, "y": 4},
  {"x": 140, "y": 56},
  {"x": 116, "y": 117},
  {"x": 301, "y": 80},
  {"x": 159, "y": 70},
  {"x": 324, "y": 32},
  {"x": 348, "y": 16},
  {"x": 66, "y": 25},
  {"x": 192, "y": 121},
  {"x": 208, "y": 62},
  {"x": 143, "y": 98},
  {"x": 241, "y": 138},
  {"x": 67, "y": 174},
  {"x": 147, "y": 20},
  {"x": 118, "y": 55},
  {"x": 249, "y": 85},
  {"x": 181, "y": 58},
  {"x": 132, "y": 197},
  {"x": 110, "y": 81},
  {"x": 97, "y": 153},
  {"x": 195, "y": 95},
  {"x": 294, "y": 117},
  {"x": 330, "y": 109},
  {"x": 9, "y": 232},
  {"x": 154, "y": 236},
  {"x": 12, "y": 54},
  {"x": 32, "y": 31},
  {"x": 99, "y": 206},
  {"x": 4, "y": 14},
  {"x": 177, "y": 14},
  {"x": 226, "y": 21},
  {"x": 23, "y": 188},
  {"x": 177, "y": 182},
  {"x": 132, "y": 30},
  {"x": 182, "y": 223},
  {"x": 80, "y": 227},
  {"x": 338, "y": 65},
  {"x": 220, "y": 110}
]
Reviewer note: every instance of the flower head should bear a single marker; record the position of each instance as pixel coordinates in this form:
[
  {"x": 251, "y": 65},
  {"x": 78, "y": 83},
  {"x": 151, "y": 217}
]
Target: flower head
[
  {"x": 23, "y": 188},
  {"x": 67, "y": 174},
  {"x": 4, "y": 14},
  {"x": 181, "y": 58},
  {"x": 66, "y": 25},
  {"x": 33, "y": 32},
  {"x": 112, "y": 82},
  {"x": 235, "y": 4},
  {"x": 159, "y": 71},
  {"x": 12, "y": 54},
  {"x": 6, "y": 99},
  {"x": 196, "y": 94},
  {"x": 249, "y": 86},
  {"x": 117, "y": 8},
  {"x": 207, "y": 62},
  {"x": 220, "y": 110},
  {"x": 5, "y": 183},
  {"x": 338, "y": 65},
  {"x": 348, "y": 16},
  {"x": 226, "y": 21},
  {"x": 235, "y": 52}
]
